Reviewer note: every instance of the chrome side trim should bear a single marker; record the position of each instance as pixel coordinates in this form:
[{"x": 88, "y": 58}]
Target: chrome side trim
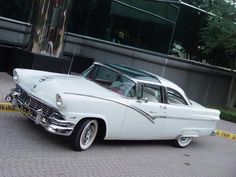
[
  {"x": 187, "y": 118},
  {"x": 159, "y": 117},
  {"x": 148, "y": 116}
]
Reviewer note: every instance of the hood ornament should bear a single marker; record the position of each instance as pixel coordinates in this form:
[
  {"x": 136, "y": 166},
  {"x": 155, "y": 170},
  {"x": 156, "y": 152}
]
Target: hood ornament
[
  {"x": 33, "y": 88},
  {"x": 44, "y": 79}
]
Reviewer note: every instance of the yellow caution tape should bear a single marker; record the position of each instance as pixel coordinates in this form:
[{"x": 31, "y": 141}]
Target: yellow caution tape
[
  {"x": 7, "y": 107},
  {"x": 224, "y": 134}
]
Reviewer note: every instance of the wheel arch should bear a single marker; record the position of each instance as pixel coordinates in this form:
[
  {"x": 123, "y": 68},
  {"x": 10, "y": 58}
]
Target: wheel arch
[
  {"x": 102, "y": 125},
  {"x": 192, "y": 133}
]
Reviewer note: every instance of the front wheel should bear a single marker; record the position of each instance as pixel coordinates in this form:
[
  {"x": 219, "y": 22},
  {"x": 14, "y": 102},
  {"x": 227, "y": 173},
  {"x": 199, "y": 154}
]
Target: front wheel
[
  {"x": 84, "y": 134},
  {"x": 182, "y": 142}
]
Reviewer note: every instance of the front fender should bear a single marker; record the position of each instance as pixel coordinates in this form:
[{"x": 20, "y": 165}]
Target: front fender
[{"x": 78, "y": 117}]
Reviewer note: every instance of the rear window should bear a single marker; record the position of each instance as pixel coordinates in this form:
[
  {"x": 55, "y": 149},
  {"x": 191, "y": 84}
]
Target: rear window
[{"x": 175, "y": 98}]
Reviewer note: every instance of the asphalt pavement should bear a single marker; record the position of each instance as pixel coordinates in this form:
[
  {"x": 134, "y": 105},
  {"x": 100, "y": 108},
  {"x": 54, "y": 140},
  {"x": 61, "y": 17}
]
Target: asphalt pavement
[{"x": 28, "y": 150}]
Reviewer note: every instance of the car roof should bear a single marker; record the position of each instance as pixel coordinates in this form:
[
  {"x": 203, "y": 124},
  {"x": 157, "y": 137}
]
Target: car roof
[
  {"x": 137, "y": 74},
  {"x": 140, "y": 75}
]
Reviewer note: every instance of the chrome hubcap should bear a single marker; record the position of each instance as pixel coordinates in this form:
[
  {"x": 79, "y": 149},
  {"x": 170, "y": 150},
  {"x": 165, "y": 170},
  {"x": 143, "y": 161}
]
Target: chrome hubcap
[
  {"x": 184, "y": 139},
  {"x": 88, "y": 134}
]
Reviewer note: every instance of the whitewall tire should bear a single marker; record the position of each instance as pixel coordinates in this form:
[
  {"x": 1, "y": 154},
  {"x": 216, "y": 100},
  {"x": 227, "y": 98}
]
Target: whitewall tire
[
  {"x": 182, "y": 141},
  {"x": 84, "y": 134}
]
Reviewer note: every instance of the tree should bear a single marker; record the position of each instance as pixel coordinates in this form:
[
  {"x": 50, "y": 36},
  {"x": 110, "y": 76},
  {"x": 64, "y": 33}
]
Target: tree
[{"x": 219, "y": 35}]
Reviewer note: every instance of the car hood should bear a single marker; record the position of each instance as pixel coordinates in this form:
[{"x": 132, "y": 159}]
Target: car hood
[{"x": 46, "y": 87}]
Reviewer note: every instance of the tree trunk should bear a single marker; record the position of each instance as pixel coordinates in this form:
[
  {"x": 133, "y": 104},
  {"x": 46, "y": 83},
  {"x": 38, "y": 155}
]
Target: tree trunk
[{"x": 49, "y": 26}]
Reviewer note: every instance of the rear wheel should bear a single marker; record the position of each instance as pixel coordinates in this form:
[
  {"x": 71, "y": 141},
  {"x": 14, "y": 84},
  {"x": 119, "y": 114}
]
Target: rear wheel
[
  {"x": 182, "y": 141},
  {"x": 84, "y": 134}
]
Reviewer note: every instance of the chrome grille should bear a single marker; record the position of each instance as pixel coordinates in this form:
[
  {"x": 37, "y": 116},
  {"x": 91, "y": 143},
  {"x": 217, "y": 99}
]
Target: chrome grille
[
  {"x": 23, "y": 96},
  {"x": 35, "y": 104}
]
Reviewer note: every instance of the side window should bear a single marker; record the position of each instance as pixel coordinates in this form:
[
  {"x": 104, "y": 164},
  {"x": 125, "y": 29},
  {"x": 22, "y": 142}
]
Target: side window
[
  {"x": 101, "y": 75},
  {"x": 111, "y": 80},
  {"x": 106, "y": 75},
  {"x": 150, "y": 92},
  {"x": 173, "y": 97},
  {"x": 123, "y": 86},
  {"x": 89, "y": 72}
]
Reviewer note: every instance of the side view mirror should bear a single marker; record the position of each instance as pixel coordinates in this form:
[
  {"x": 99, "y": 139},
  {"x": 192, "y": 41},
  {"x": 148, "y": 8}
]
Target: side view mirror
[{"x": 140, "y": 92}]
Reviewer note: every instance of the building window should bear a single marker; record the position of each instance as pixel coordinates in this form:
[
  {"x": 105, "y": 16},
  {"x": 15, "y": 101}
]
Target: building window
[
  {"x": 17, "y": 10},
  {"x": 169, "y": 27},
  {"x": 137, "y": 23},
  {"x": 186, "y": 42}
]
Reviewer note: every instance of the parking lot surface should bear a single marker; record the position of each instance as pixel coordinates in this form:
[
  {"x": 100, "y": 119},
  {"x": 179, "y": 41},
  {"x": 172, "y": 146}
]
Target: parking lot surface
[{"x": 28, "y": 150}]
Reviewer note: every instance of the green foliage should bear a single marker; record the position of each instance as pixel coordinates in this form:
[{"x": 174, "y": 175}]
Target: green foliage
[
  {"x": 225, "y": 113},
  {"x": 219, "y": 35},
  {"x": 228, "y": 115}
]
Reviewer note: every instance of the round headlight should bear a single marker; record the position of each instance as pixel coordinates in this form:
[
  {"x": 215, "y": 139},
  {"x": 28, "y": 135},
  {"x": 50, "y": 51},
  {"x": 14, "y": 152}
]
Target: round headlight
[
  {"x": 15, "y": 76},
  {"x": 59, "y": 102}
]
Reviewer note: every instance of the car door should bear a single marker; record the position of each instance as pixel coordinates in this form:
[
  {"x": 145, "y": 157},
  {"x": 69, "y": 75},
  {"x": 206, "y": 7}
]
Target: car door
[{"x": 145, "y": 117}]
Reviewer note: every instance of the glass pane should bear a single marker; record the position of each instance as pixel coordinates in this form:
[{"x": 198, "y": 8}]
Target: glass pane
[
  {"x": 123, "y": 86},
  {"x": 89, "y": 17},
  {"x": 173, "y": 97},
  {"x": 106, "y": 75},
  {"x": 16, "y": 9},
  {"x": 138, "y": 27},
  {"x": 151, "y": 92},
  {"x": 137, "y": 23},
  {"x": 111, "y": 80},
  {"x": 186, "y": 42},
  {"x": 162, "y": 9}
]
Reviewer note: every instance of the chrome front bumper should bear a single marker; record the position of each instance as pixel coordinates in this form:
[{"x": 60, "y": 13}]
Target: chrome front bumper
[{"x": 49, "y": 122}]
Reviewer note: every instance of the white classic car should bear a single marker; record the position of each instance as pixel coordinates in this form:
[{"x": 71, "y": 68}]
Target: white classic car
[{"x": 113, "y": 102}]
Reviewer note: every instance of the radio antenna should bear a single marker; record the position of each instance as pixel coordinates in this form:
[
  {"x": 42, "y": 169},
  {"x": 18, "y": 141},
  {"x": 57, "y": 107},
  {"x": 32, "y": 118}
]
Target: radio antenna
[{"x": 72, "y": 60}]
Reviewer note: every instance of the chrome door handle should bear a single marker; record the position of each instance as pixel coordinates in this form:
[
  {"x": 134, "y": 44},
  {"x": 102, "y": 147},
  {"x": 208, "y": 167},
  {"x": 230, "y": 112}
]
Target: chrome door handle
[
  {"x": 163, "y": 107},
  {"x": 153, "y": 112}
]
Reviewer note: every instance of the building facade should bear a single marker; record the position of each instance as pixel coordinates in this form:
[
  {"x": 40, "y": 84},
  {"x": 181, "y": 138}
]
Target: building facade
[{"x": 161, "y": 36}]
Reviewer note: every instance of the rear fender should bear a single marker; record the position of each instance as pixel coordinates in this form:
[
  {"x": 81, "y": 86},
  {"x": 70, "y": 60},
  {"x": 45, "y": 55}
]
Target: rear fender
[{"x": 193, "y": 133}]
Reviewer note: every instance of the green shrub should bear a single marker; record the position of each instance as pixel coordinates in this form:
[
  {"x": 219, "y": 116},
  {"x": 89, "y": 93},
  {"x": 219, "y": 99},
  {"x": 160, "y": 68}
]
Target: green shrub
[{"x": 228, "y": 115}]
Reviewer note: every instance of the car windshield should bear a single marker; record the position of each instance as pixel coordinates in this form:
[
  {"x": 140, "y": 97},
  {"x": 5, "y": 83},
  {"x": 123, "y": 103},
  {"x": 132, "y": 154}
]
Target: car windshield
[{"x": 111, "y": 80}]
